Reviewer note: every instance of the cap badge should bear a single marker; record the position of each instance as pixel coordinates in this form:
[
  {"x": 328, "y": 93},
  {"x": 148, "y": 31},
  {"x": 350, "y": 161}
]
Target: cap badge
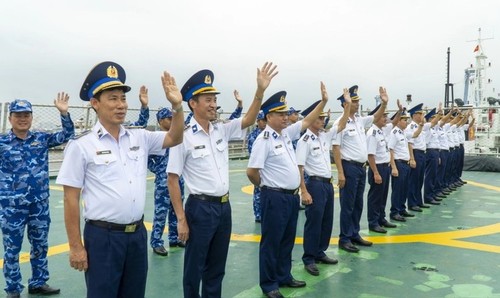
[
  {"x": 112, "y": 72},
  {"x": 208, "y": 80}
]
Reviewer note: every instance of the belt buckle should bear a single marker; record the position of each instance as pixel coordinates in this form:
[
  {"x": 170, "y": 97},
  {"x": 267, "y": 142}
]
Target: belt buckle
[
  {"x": 296, "y": 191},
  {"x": 224, "y": 198},
  {"x": 130, "y": 228},
  {"x": 331, "y": 180}
]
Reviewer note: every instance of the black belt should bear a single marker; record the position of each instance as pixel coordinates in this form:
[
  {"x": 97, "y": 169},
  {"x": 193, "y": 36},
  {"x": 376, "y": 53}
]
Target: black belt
[
  {"x": 322, "y": 179},
  {"x": 452, "y": 148},
  {"x": 433, "y": 149},
  {"x": 359, "y": 164},
  {"x": 419, "y": 150},
  {"x": 213, "y": 199},
  {"x": 384, "y": 164},
  {"x": 401, "y": 160},
  {"x": 282, "y": 190},
  {"x": 127, "y": 228},
  {"x": 445, "y": 150}
]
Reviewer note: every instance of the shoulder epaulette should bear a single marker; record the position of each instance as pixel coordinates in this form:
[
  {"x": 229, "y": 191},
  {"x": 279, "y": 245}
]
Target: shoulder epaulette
[
  {"x": 266, "y": 135},
  {"x": 374, "y": 133},
  {"x": 305, "y": 138},
  {"x": 82, "y": 134},
  {"x": 134, "y": 127}
]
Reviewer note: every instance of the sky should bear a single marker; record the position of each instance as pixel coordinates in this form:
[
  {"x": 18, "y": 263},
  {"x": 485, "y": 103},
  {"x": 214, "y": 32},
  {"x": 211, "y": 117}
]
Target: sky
[{"x": 50, "y": 46}]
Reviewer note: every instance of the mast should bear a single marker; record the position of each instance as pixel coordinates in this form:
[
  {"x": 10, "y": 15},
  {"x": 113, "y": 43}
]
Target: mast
[{"x": 479, "y": 71}]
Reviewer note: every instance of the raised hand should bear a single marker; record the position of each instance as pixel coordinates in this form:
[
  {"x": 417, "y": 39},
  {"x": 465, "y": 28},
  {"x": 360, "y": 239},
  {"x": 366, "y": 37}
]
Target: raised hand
[
  {"x": 237, "y": 96},
  {"x": 347, "y": 95},
  {"x": 324, "y": 94},
  {"x": 172, "y": 92},
  {"x": 143, "y": 96},
  {"x": 61, "y": 103},
  {"x": 383, "y": 94},
  {"x": 400, "y": 106},
  {"x": 265, "y": 75}
]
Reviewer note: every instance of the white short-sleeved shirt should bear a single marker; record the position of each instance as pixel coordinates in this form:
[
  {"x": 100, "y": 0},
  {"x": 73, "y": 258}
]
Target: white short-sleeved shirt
[
  {"x": 399, "y": 144},
  {"x": 452, "y": 136},
  {"x": 443, "y": 137},
  {"x": 352, "y": 139},
  {"x": 202, "y": 158},
  {"x": 418, "y": 142},
  {"x": 111, "y": 174},
  {"x": 432, "y": 137},
  {"x": 461, "y": 133},
  {"x": 313, "y": 152},
  {"x": 273, "y": 155},
  {"x": 377, "y": 145}
]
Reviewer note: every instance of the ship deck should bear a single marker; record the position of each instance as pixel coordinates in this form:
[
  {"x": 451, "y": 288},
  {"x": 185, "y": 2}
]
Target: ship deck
[{"x": 451, "y": 250}]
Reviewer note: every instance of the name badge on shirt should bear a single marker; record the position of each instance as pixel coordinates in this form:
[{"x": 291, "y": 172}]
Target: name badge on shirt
[
  {"x": 103, "y": 152},
  {"x": 35, "y": 143},
  {"x": 218, "y": 141},
  {"x": 199, "y": 147},
  {"x": 278, "y": 146},
  {"x": 135, "y": 148}
]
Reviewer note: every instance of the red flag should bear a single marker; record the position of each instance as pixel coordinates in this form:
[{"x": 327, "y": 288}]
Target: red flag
[{"x": 476, "y": 49}]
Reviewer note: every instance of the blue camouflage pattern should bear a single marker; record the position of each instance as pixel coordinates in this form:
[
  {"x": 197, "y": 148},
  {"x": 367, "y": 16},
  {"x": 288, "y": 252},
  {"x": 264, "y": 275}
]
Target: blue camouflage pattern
[
  {"x": 256, "y": 190},
  {"x": 163, "y": 207},
  {"x": 235, "y": 114},
  {"x": 24, "y": 193},
  {"x": 143, "y": 118}
]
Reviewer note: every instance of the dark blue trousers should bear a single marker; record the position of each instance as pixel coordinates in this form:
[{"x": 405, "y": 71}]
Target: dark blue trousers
[
  {"x": 278, "y": 227},
  {"x": 461, "y": 156},
  {"x": 351, "y": 201},
  {"x": 416, "y": 180},
  {"x": 377, "y": 195},
  {"x": 443, "y": 157},
  {"x": 399, "y": 188},
  {"x": 319, "y": 221},
  {"x": 118, "y": 262},
  {"x": 431, "y": 174},
  {"x": 450, "y": 167},
  {"x": 206, "y": 250}
]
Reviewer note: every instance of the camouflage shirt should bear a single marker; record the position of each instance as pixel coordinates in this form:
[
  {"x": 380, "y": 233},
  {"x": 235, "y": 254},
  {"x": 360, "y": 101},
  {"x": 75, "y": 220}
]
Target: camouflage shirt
[{"x": 24, "y": 167}]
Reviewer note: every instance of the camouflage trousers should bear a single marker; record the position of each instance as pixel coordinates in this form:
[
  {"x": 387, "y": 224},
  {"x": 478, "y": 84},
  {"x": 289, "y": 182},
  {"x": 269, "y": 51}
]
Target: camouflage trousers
[
  {"x": 163, "y": 208},
  {"x": 256, "y": 202},
  {"x": 14, "y": 219}
]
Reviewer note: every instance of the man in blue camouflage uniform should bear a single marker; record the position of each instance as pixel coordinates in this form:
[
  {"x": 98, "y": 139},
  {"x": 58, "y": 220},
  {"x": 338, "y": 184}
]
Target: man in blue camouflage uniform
[
  {"x": 158, "y": 165},
  {"x": 261, "y": 124},
  {"x": 24, "y": 193}
]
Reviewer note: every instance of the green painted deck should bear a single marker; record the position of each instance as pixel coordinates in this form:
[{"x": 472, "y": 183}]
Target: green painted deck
[{"x": 451, "y": 250}]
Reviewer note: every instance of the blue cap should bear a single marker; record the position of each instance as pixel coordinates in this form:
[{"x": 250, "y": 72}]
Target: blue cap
[
  {"x": 105, "y": 75},
  {"x": 292, "y": 110},
  {"x": 416, "y": 109},
  {"x": 163, "y": 113},
  {"x": 430, "y": 114},
  {"x": 200, "y": 83},
  {"x": 312, "y": 107},
  {"x": 353, "y": 93},
  {"x": 19, "y": 106},
  {"x": 275, "y": 103},
  {"x": 260, "y": 115}
]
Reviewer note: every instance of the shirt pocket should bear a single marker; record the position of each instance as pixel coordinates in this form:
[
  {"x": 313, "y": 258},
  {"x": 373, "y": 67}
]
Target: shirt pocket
[
  {"x": 221, "y": 147},
  {"x": 200, "y": 153},
  {"x": 106, "y": 167},
  {"x": 137, "y": 159}
]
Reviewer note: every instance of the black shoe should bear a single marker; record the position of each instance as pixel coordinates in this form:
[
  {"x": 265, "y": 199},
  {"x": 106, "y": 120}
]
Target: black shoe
[
  {"x": 349, "y": 247},
  {"x": 160, "y": 250},
  {"x": 441, "y": 195},
  {"x": 312, "y": 269},
  {"x": 327, "y": 260},
  {"x": 257, "y": 220},
  {"x": 433, "y": 202},
  {"x": 463, "y": 181},
  {"x": 378, "y": 229},
  {"x": 13, "y": 295},
  {"x": 398, "y": 217},
  {"x": 177, "y": 244},
  {"x": 438, "y": 199},
  {"x": 388, "y": 225},
  {"x": 447, "y": 190},
  {"x": 416, "y": 209},
  {"x": 302, "y": 207},
  {"x": 406, "y": 214},
  {"x": 361, "y": 241},
  {"x": 274, "y": 294},
  {"x": 45, "y": 290},
  {"x": 424, "y": 206},
  {"x": 295, "y": 283}
]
